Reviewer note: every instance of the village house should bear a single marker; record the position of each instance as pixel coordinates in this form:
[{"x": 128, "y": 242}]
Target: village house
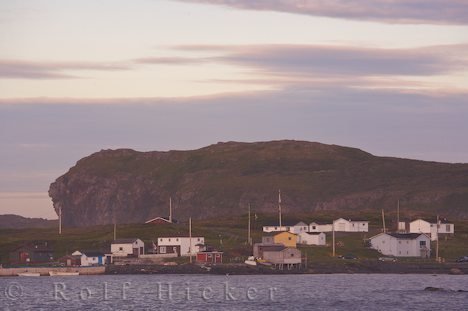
[
  {"x": 93, "y": 258},
  {"x": 433, "y": 229},
  {"x": 317, "y": 227},
  {"x": 299, "y": 227},
  {"x": 275, "y": 228},
  {"x": 72, "y": 260},
  {"x": 159, "y": 221},
  {"x": 288, "y": 239},
  {"x": 312, "y": 238},
  {"x": 180, "y": 245},
  {"x": 38, "y": 252},
  {"x": 127, "y": 247},
  {"x": 402, "y": 244},
  {"x": 343, "y": 225},
  {"x": 259, "y": 248},
  {"x": 287, "y": 256}
]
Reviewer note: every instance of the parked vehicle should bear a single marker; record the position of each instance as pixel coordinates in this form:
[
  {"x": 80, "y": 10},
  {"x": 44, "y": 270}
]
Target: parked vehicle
[
  {"x": 463, "y": 259},
  {"x": 391, "y": 259},
  {"x": 348, "y": 256}
]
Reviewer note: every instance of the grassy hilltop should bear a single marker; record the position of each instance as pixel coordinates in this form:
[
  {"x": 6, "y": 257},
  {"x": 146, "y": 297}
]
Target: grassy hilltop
[{"x": 126, "y": 186}]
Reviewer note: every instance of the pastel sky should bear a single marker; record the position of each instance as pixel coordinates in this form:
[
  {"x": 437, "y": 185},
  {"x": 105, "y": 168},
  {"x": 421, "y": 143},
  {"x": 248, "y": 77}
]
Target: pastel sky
[{"x": 386, "y": 76}]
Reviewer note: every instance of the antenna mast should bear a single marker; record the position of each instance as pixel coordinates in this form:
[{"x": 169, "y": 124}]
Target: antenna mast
[{"x": 190, "y": 239}]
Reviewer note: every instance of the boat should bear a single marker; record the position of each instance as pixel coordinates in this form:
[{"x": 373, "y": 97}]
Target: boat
[
  {"x": 29, "y": 274},
  {"x": 63, "y": 273},
  {"x": 251, "y": 261}
]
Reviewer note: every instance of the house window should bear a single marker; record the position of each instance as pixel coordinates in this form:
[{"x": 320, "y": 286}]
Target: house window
[
  {"x": 169, "y": 239},
  {"x": 313, "y": 227},
  {"x": 447, "y": 228},
  {"x": 162, "y": 249},
  {"x": 177, "y": 240},
  {"x": 120, "y": 248},
  {"x": 292, "y": 255},
  {"x": 289, "y": 238},
  {"x": 198, "y": 239},
  {"x": 363, "y": 224},
  {"x": 160, "y": 240},
  {"x": 422, "y": 244}
]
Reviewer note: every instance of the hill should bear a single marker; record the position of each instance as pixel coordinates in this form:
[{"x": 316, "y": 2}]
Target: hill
[
  {"x": 127, "y": 186},
  {"x": 18, "y": 222}
]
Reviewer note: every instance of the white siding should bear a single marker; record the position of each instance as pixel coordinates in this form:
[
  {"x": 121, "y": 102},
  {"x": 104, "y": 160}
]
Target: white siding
[
  {"x": 392, "y": 246},
  {"x": 124, "y": 249},
  {"x": 184, "y": 243},
  {"x": 311, "y": 239},
  {"x": 275, "y": 228}
]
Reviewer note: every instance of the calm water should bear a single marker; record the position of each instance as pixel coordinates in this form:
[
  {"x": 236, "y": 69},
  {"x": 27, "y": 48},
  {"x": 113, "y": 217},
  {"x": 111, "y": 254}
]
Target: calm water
[{"x": 262, "y": 292}]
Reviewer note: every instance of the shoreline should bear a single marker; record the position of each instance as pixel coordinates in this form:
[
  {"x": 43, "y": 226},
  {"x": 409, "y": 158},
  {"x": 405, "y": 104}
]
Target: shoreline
[
  {"x": 370, "y": 267},
  {"x": 348, "y": 267}
]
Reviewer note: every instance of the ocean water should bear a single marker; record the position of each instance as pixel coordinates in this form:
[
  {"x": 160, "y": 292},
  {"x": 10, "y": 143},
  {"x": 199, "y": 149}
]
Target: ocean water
[{"x": 258, "y": 292}]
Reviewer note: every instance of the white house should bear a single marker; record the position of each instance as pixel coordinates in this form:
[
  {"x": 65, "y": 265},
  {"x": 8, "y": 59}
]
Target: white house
[
  {"x": 275, "y": 228},
  {"x": 431, "y": 228},
  {"x": 127, "y": 247},
  {"x": 402, "y": 244},
  {"x": 299, "y": 227},
  {"x": 343, "y": 225},
  {"x": 92, "y": 259},
  {"x": 311, "y": 238},
  {"x": 180, "y": 246},
  {"x": 316, "y": 227}
]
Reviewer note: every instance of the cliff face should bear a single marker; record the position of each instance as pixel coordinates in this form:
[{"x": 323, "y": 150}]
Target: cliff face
[{"x": 127, "y": 186}]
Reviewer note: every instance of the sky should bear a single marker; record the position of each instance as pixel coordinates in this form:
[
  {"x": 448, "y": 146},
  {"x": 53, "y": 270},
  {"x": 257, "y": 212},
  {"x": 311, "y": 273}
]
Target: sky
[{"x": 386, "y": 76}]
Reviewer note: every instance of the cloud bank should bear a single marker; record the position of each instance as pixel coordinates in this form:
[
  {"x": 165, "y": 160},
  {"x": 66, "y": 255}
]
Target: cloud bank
[{"x": 386, "y": 11}]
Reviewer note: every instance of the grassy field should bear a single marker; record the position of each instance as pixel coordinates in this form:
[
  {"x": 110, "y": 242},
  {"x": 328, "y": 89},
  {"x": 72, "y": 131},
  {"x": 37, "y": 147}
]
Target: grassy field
[{"x": 228, "y": 235}]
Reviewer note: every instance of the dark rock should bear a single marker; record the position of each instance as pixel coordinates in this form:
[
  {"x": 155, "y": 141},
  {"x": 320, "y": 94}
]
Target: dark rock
[{"x": 127, "y": 186}]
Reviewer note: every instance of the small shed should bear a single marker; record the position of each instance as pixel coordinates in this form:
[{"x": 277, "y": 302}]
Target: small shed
[{"x": 210, "y": 257}]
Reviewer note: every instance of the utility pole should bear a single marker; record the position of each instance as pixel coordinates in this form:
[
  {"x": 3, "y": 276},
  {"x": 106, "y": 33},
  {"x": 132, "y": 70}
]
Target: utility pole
[
  {"x": 60, "y": 220},
  {"x": 115, "y": 231},
  {"x": 333, "y": 230},
  {"x": 249, "y": 238},
  {"x": 279, "y": 207},
  {"x": 170, "y": 209},
  {"x": 190, "y": 239},
  {"x": 383, "y": 222},
  {"x": 398, "y": 215},
  {"x": 437, "y": 240}
]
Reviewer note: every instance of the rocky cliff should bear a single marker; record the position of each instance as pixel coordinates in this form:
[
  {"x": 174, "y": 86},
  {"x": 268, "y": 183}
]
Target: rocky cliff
[{"x": 127, "y": 186}]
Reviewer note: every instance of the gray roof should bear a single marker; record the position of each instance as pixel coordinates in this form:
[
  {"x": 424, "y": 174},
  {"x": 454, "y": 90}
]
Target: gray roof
[
  {"x": 124, "y": 241},
  {"x": 93, "y": 254},
  {"x": 406, "y": 236}
]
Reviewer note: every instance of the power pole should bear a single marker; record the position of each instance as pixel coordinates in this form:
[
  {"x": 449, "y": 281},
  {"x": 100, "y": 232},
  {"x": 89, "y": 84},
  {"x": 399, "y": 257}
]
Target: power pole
[
  {"x": 115, "y": 231},
  {"x": 437, "y": 240},
  {"x": 398, "y": 215},
  {"x": 383, "y": 221},
  {"x": 60, "y": 220},
  {"x": 170, "y": 209},
  {"x": 333, "y": 230},
  {"x": 249, "y": 238},
  {"x": 190, "y": 239},
  {"x": 279, "y": 207}
]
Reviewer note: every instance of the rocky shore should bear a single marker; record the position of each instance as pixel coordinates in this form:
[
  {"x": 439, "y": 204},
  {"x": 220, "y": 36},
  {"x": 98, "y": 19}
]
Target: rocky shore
[{"x": 313, "y": 268}]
